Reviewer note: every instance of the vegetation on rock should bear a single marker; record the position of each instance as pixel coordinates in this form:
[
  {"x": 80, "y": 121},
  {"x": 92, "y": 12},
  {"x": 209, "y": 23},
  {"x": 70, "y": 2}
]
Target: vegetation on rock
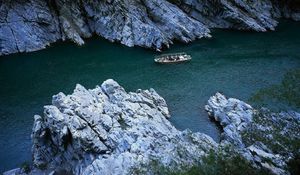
[
  {"x": 286, "y": 93},
  {"x": 225, "y": 161},
  {"x": 280, "y": 132}
]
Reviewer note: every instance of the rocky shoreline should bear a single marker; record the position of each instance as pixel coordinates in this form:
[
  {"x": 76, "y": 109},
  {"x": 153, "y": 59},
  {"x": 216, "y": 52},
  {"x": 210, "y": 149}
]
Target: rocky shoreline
[
  {"x": 31, "y": 25},
  {"x": 107, "y": 130}
]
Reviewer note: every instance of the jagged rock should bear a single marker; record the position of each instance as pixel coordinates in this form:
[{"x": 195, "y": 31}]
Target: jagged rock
[
  {"x": 27, "y": 26},
  {"x": 256, "y": 135},
  {"x": 232, "y": 114},
  {"x": 239, "y": 14},
  {"x": 13, "y": 171},
  {"x": 109, "y": 131}
]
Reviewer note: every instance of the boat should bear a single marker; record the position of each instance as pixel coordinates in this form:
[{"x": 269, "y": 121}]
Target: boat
[{"x": 173, "y": 58}]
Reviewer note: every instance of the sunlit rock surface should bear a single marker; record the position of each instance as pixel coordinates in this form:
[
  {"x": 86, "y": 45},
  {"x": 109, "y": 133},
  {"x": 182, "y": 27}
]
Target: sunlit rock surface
[
  {"x": 268, "y": 140},
  {"x": 31, "y": 25},
  {"x": 109, "y": 131}
]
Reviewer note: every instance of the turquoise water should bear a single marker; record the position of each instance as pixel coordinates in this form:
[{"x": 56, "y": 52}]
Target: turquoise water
[{"x": 235, "y": 63}]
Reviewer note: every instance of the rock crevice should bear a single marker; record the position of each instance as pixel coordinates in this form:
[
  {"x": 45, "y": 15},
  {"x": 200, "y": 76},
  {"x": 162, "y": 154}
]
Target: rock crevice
[
  {"x": 268, "y": 140},
  {"x": 32, "y": 25},
  {"x": 109, "y": 131}
]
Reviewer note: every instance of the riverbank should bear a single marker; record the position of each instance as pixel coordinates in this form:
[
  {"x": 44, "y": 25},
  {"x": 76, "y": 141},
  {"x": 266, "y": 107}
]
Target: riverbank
[
  {"x": 236, "y": 63},
  {"x": 150, "y": 24}
]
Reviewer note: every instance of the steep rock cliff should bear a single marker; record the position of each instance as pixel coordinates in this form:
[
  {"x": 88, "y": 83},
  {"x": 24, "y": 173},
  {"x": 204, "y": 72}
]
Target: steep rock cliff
[{"x": 27, "y": 25}]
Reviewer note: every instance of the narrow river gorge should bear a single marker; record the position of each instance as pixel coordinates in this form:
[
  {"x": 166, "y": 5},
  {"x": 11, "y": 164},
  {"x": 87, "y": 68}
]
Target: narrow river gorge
[{"x": 236, "y": 63}]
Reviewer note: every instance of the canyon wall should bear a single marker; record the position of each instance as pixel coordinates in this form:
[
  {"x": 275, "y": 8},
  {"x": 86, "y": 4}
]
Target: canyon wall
[{"x": 30, "y": 25}]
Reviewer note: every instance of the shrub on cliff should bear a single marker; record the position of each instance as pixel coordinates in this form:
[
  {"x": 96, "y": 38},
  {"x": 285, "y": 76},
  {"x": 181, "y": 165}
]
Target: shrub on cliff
[
  {"x": 224, "y": 161},
  {"x": 286, "y": 93}
]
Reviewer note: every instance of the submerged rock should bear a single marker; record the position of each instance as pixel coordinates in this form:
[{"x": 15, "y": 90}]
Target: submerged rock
[
  {"x": 31, "y": 25},
  {"x": 109, "y": 131}
]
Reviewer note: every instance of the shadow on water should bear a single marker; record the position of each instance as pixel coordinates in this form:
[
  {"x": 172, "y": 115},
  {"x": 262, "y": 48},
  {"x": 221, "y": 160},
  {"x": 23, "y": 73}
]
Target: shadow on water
[{"x": 235, "y": 63}]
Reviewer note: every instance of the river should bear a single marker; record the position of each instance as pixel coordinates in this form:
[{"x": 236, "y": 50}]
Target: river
[{"x": 233, "y": 62}]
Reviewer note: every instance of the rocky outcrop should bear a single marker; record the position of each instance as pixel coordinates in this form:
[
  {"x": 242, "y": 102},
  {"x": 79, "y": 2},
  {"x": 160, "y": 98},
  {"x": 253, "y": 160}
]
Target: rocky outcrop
[
  {"x": 26, "y": 26},
  {"x": 109, "y": 131},
  {"x": 232, "y": 114},
  {"x": 268, "y": 140},
  {"x": 32, "y": 25}
]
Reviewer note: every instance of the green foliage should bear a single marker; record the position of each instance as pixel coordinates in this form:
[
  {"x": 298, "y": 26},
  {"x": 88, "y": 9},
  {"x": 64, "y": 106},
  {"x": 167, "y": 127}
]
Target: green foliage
[
  {"x": 122, "y": 123},
  {"x": 25, "y": 166},
  {"x": 227, "y": 163},
  {"x": 280, "y": 142},
  {"x": 153, "y": 166},
  {"x": 221, "y": 162},
  {"x": 42, "y": 166},
  {"x": 288, "y": 91},
  {"x": 294, "y": 165},
  {"x": 277, "y": 134},
  {"x": 280, "y": 133}
]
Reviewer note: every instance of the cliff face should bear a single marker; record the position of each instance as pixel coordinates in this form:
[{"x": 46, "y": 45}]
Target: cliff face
[
  {"x": 270, "y": 141},
  {"x": 28, "y": 25}
]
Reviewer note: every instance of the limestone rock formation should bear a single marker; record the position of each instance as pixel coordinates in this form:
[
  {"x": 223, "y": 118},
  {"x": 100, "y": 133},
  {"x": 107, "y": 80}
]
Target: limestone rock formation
[
  {"x": 109, "y": 131},
  {"x": 268, "y": 140},
  {"x": 34, "y": 24},
  {"x": 26, "y": 26},
  {"x": 233, "y": 115}
]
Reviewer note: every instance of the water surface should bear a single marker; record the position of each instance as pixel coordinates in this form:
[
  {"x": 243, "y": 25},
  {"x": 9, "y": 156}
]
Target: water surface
[{"x": 235, "y": 63}]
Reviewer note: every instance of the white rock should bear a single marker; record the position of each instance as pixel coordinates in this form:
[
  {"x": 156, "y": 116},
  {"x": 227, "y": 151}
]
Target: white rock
[{"x": 109, "y": 131}]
